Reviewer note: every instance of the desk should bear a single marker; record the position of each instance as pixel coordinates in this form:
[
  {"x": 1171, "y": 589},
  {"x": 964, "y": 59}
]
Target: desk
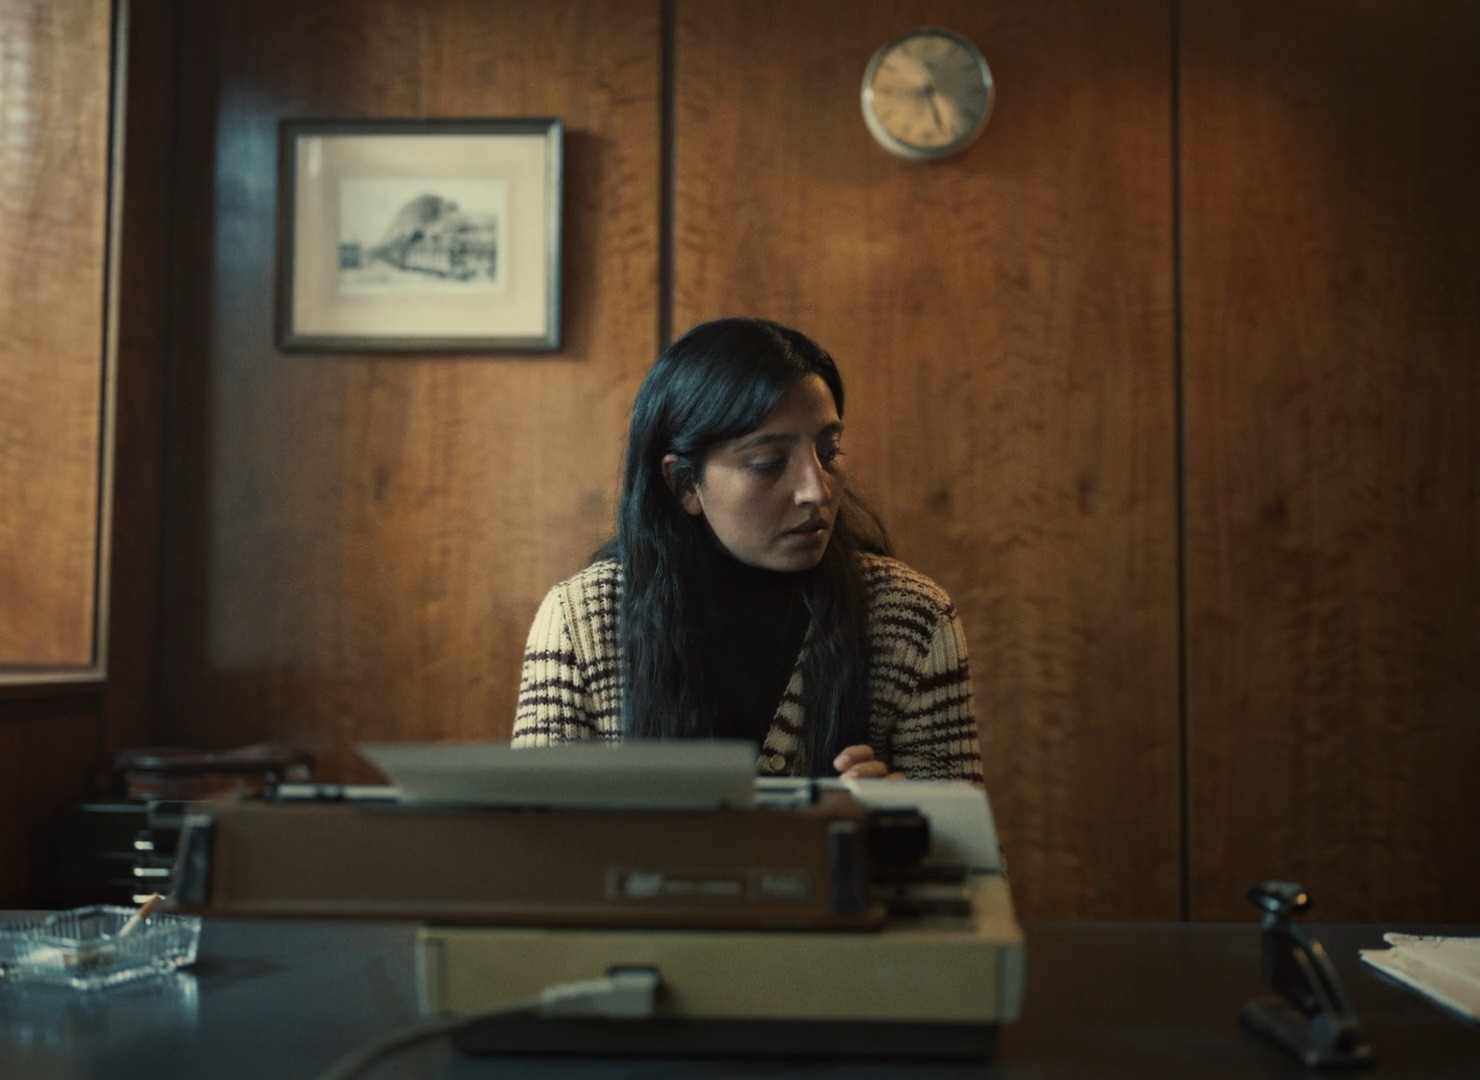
[{"x": 284, "y": 999}]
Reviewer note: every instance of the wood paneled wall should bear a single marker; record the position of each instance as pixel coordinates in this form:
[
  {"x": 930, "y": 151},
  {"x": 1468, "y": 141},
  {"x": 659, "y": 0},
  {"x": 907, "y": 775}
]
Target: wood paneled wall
[
  {"x": 1332, "y": 331},
  {"x": 1004, "y": 323},
  {"x": 55, "y": 77},
  {"x": 144, "y": 321},
  {"x": 1216, "y": 558},
  {"x": 48, "y": 753},
  {"x": 356, "y": 544}
]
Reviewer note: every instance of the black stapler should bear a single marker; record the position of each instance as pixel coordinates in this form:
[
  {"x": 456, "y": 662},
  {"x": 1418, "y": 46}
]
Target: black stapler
[{"x": 1312, "y": 1018}]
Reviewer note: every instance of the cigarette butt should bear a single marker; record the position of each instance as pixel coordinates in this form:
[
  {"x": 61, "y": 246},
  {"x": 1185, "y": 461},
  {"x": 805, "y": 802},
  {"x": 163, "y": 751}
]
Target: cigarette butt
[{"x": 138, "y": 917}]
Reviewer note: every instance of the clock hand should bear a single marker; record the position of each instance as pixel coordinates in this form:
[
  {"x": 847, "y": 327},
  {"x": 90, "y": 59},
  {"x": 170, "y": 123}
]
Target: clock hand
[{"x": 934, "y": 108}]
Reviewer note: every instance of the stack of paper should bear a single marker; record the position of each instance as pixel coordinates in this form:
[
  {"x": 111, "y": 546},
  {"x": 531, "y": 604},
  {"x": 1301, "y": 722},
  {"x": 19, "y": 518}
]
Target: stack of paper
[{"x": 1443, "y": 969}]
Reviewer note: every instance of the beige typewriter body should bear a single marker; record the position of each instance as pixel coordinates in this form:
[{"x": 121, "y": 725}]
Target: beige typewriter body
[
  {"x": 868, "y": 914},
  {"x": 951, "y": 970}
]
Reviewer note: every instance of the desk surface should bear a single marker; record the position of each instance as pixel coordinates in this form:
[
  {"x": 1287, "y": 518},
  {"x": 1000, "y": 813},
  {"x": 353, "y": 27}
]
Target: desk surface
[{"x": 287, "y": 998}]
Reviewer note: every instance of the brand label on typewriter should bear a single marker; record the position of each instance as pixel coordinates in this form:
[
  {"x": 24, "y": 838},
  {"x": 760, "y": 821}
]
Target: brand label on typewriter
[{"x": 659, "y": 885}]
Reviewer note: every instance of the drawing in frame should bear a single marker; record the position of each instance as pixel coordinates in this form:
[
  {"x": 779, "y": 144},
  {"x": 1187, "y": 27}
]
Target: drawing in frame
[{"x": 420, "y": 235}]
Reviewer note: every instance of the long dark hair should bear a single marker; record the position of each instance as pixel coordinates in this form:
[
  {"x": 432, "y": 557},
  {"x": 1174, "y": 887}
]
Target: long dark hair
[{"x": 716, "y": 382}]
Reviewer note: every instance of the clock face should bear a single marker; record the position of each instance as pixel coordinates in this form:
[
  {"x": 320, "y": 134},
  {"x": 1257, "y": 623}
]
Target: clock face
[{"x": 927, "y": 93}]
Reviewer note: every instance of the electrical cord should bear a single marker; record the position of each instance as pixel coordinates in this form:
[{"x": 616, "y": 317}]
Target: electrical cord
[{"x": 622, "y": 994}]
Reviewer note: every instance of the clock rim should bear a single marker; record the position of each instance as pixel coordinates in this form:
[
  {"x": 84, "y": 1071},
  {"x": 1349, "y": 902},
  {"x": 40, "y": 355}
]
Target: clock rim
[{"x": 891, "y": 142}]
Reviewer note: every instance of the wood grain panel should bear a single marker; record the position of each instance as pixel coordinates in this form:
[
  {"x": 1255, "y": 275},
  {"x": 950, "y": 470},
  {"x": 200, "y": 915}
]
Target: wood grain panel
[
  {"x": 48, "y": 751},
  {"x": 355, "y": 545},
  {"x": 1004, "y": 321},
  {"x": 54, "y": 82},
  {"x": 143, "y": 342},
  {"x": 1331, "y": 276}
]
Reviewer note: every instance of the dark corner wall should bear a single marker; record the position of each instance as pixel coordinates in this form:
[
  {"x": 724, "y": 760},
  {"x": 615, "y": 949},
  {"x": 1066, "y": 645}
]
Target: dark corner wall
[{"x": 1170, "y": 380}]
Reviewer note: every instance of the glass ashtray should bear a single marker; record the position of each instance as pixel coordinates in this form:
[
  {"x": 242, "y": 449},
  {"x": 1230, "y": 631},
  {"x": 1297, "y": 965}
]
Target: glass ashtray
[{"x": 81, "y": 947}]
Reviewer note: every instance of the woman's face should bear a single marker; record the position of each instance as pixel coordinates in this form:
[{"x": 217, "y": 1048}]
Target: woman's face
[{"x": 771, "y": 496}]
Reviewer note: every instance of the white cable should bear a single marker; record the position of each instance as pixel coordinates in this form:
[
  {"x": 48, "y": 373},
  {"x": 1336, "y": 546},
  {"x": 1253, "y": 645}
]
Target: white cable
[{"x": 628, "y": 994}]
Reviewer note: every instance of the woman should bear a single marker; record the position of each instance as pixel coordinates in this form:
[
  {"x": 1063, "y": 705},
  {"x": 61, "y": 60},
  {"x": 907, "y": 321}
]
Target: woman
[{"x": 745, "y": 595}]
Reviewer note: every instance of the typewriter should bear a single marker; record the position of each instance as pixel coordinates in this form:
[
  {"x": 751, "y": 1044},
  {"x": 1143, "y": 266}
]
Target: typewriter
[{"x": 775, "y": 916}]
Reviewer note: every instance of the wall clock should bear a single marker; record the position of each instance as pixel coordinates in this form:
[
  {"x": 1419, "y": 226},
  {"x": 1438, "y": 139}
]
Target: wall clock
[{"x": 927, "y": 94}]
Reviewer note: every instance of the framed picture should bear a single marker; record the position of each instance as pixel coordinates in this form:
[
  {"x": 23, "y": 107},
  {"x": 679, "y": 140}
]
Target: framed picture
[{"x": 420, "y": 235}]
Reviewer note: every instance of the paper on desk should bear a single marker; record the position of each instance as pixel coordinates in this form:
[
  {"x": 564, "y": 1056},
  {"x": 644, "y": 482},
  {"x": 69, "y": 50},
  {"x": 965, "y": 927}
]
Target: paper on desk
[{"x": 1444, "y": 969}]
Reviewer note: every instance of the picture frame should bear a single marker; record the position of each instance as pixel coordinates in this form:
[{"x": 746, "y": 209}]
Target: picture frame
[{"x": 400, "y": 235}]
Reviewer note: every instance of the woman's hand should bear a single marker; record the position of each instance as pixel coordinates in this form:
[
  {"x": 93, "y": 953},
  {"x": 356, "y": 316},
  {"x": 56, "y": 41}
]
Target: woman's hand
[{"x": 859, "y": 763}]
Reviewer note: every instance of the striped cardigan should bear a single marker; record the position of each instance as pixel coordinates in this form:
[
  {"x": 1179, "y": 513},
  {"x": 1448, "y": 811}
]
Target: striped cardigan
[{"x": 921, "y": 720}]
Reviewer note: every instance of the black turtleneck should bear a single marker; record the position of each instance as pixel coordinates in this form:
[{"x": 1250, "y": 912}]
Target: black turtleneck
[{"x": 755, "y": 623}]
